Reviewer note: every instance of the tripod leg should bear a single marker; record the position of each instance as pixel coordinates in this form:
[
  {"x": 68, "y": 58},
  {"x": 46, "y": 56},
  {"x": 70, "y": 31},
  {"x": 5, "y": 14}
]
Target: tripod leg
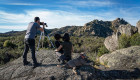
[
  {"x": 50, "y": 41},
  {"x": 43, "y": 39},
  {"x": 39, "y": 41}
]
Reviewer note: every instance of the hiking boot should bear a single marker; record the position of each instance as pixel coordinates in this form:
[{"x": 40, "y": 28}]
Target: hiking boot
[
  {"x": 26, "y": 63},
  {"x": 36, "y": 65}
]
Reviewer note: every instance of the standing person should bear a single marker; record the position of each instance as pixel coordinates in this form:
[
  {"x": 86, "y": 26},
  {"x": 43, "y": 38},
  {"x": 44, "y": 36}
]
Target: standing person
[
  {"x": 29, "y": 41},
  {"x": 67, "y": 47}
]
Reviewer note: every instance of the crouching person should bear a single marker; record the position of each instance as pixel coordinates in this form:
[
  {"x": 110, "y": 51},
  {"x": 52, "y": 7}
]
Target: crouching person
[
  {"x": 57, "y": 44},
  {"x": 81, "y": 60},
  {"x": 67, "y": 48}
]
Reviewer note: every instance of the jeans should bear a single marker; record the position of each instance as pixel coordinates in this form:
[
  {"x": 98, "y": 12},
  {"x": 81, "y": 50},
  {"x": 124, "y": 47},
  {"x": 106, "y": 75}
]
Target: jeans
[{"x": 29, "y": 43}]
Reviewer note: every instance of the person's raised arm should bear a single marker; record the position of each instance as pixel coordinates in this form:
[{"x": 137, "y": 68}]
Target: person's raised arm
[{"x": 42, "y": 29}]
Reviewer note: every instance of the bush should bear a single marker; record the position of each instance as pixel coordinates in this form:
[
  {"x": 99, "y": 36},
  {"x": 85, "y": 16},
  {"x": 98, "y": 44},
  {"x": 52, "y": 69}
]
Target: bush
[
  {"x": 102, "y": 50},
  {"x": 9, "y": 44},
  {"x": 135, "y": 39},
  {"x": 92, "y": 56},
  {"x": 124, "y": 41}
]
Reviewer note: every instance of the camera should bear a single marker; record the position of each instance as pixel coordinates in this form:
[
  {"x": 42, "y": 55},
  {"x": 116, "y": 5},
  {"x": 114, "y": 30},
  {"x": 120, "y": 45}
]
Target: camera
[{"x": 41, "y": 23}]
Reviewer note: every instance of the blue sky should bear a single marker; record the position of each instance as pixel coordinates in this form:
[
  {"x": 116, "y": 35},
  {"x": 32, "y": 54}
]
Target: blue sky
[{"x": 16, "y": 14}]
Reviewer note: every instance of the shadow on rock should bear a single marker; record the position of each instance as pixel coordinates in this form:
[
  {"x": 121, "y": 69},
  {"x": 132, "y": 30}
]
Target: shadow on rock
[
  {"x": 116, "y": 74},
  {"x": 48, "y": 65}
]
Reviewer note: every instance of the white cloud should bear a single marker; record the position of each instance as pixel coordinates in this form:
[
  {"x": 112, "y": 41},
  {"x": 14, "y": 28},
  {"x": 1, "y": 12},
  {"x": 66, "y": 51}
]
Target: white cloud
[
  {"x": 16, "y": 27},
  {"x": 54, "y": 19}
]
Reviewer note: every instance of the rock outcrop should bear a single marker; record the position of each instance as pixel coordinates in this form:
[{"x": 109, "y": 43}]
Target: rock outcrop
[
  {"x": 96, "y": 28},
  {"x": 138, "y": 26},
  {"x": 49, "y": 70},
  {"x": 111, "y": 42},
  {"x": 16, "y": 71},
  {"x": 127, "y": 30},
  {"x": 123, "y": 58},
  {"x": 117, "y": 22}
]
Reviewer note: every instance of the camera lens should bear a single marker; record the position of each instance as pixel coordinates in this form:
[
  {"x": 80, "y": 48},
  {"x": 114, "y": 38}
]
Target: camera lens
[{"x": 42, "y": 23}]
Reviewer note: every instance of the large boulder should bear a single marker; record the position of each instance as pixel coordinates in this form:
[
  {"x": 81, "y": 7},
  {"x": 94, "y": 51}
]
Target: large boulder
[
  {"x": 123, "y": 58},
  {"x": 138, "y": 26},
  {"x": 111, "y": 42},
  {"x": 127, "y": 29}
]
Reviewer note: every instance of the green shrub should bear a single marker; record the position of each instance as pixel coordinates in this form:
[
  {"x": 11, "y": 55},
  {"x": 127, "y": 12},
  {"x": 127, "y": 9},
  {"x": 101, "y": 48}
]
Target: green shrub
[
  {"x": 92, "y": 56},
  {"x": 124, "y": 41},
  {"x": 135, "y": 39},
  {"x": 9, "y": 44},
  {"x": 102, "y": 50}
]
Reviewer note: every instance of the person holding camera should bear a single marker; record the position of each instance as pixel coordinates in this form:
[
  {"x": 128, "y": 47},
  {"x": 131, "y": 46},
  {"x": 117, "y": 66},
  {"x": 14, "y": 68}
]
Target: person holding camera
[{"x": 29, "y": 41}]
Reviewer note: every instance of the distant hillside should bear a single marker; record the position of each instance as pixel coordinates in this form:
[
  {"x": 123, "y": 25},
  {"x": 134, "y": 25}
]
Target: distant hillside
[
  {"x": 93, "y": 28},
  {"x": 12, "y": 33}
]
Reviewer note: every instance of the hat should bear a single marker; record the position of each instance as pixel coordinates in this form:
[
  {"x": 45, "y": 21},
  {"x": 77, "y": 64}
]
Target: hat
[{"x": 83, "y": 55}]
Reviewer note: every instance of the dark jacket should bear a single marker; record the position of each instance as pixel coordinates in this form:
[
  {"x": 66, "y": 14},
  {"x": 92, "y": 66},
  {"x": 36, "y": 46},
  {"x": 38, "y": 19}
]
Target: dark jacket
[
  {"x": 76, "y": 62},
  {"x": 57, "y": 44}
]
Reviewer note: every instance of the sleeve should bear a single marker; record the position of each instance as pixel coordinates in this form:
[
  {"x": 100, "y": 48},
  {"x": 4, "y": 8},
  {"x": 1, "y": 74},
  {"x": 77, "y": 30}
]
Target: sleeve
[
  {"x": 57, "y": 44},
  {"x": 37, "y": 26}
]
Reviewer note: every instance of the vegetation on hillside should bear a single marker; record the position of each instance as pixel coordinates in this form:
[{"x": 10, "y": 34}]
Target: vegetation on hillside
[{"x": 12, "y": 47}]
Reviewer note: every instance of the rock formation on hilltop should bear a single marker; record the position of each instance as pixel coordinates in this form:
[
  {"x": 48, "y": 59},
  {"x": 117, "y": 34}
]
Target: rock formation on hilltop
[
  {"x": 96, "y": 28},
  {"x": 100, "y": 28},
  {"x": 117, "y": 22}
]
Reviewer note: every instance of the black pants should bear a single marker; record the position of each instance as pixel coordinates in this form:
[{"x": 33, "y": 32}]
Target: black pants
[
  {"x": 29, "y": 43},
  {"x": 67, "y": 58}
]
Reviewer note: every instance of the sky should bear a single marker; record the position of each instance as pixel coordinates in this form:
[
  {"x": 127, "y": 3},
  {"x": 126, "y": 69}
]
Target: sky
[{"x": 16, "y": 14}]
